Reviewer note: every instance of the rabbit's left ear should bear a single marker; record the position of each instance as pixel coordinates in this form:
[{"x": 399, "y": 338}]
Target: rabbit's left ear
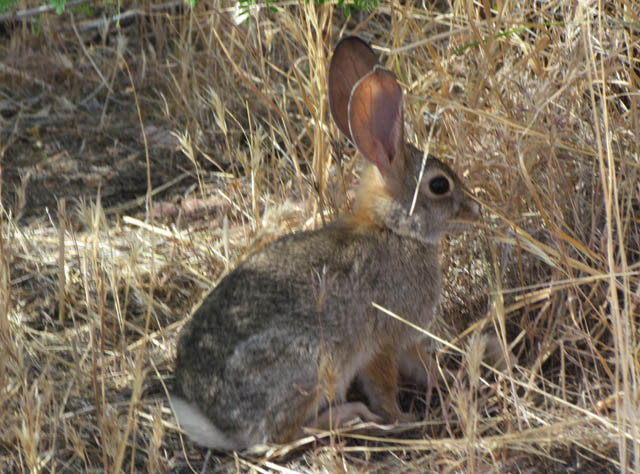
[
  {"x": 377, "y": 125},
  {"x": 351, "y": 61}
]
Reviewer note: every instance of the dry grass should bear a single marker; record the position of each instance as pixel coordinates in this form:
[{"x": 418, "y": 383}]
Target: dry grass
[{"x": 109, "y": 236}]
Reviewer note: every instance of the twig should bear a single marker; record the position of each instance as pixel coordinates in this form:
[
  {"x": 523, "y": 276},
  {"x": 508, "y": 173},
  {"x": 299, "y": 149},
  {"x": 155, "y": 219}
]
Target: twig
[
  {"x": 19, "y": 15},
  {"x": 93, "y": 24}
]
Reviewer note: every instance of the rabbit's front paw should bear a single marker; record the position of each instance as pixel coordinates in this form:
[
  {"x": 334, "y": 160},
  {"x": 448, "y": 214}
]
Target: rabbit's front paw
[{"x": 392, "y": 414}]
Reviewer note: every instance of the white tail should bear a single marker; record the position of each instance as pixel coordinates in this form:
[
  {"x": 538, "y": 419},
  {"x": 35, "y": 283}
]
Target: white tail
[{"x": 196, "y": 424}]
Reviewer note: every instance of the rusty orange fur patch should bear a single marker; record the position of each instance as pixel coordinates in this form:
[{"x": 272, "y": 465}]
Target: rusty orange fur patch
[{"x": 371, "y": 189}]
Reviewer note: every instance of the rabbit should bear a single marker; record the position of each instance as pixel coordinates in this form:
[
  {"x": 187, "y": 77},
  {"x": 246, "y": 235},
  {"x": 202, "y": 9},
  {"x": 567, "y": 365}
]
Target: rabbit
[{"x": 276, "y": 344}]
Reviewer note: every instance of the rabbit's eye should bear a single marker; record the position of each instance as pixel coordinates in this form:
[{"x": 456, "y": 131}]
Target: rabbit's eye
[{"x": 439, "y": 185}]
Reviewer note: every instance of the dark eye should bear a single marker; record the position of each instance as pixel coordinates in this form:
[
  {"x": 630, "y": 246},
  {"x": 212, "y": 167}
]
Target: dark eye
[{"x": 439, "y": 185}]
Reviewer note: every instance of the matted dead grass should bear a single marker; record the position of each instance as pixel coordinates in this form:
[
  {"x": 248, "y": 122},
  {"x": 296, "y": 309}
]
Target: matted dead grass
[{"x": 141, "y": 162}]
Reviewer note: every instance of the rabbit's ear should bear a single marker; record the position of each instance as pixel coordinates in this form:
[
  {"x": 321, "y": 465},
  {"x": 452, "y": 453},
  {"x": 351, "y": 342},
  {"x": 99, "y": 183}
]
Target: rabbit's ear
[
  {"x": 376, "y": 122},
  {"x": 352, "y": 59}
]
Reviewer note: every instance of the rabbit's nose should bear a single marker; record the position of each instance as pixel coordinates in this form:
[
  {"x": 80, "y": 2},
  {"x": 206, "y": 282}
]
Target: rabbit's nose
[{"x": 470, "y": 208}]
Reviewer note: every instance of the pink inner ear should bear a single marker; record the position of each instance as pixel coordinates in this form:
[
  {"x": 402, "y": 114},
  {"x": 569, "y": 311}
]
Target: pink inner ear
[
  {"x": 351, "y": 60},
  {"x": 376, "y": 119}
]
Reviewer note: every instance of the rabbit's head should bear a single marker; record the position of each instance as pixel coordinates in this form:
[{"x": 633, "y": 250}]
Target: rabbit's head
[{"x": 421, "y": 201}]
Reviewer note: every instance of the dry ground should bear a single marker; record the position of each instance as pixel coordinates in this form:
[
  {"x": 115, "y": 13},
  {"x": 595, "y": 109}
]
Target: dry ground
[{"x": 139, "y": 160}]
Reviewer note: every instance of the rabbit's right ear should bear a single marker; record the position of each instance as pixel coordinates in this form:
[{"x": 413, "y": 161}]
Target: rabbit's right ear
[
  {"x": 377, "y": 124},
  {"x": 351, "y": 61}
]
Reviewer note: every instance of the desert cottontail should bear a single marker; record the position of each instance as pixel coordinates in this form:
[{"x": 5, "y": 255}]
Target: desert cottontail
[{"x": 283, "y": 335}]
